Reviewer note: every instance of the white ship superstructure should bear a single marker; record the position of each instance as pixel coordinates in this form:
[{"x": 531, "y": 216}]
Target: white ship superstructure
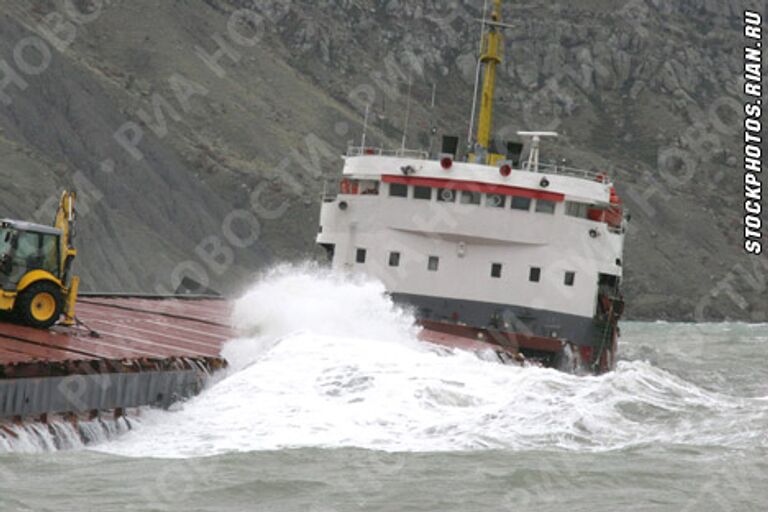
[{"x": 520, "y": 253}]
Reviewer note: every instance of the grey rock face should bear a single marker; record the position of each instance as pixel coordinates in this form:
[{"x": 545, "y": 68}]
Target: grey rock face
[{"x": 644, "y": 88}]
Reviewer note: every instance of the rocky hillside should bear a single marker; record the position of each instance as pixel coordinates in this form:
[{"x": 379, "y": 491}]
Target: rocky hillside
[{"x": 210, "y": 165}]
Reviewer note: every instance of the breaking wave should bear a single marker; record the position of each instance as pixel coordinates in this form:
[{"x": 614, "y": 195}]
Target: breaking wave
[
  {"x": 329, "y": 361},
  {"x": 60, "y": 435}
]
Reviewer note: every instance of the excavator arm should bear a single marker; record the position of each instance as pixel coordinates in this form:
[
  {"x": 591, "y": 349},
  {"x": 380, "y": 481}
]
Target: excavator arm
[{"x": 66, "y": 219}]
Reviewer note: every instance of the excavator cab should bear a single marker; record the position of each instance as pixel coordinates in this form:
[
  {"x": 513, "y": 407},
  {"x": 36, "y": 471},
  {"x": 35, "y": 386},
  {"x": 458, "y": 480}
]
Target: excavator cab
[
  {"x": 35, "y": 263},
  {"x": 25, "y": 247}
]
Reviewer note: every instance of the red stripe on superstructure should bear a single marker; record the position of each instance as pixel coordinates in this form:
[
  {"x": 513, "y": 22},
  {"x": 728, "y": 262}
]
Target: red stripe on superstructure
[{"x": 475, "y": 186}]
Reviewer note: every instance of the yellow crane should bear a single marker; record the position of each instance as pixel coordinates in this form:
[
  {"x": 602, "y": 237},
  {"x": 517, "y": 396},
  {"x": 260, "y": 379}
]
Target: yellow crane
[
  {"x": 490, "y": 59},
  {"x": 36, "y": 282}
]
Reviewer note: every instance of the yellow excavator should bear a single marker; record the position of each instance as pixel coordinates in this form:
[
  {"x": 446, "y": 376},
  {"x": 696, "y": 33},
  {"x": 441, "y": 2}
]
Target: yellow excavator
[{"x": 36, "y": 285}]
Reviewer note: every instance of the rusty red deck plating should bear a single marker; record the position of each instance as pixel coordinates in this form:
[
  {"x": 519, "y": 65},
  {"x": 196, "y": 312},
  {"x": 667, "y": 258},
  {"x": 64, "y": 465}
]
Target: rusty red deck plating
[
  {"x": 128, "y": 329},
  {"x": 129, "y": 352}
]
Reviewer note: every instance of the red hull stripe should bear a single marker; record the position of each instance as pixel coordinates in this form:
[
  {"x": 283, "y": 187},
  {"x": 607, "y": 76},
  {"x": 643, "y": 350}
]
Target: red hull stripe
[{"x": 475, "y": 186}]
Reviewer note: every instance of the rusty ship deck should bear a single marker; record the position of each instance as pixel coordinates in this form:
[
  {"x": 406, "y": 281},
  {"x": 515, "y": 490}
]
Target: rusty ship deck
[{"x": 129, "y": 352}]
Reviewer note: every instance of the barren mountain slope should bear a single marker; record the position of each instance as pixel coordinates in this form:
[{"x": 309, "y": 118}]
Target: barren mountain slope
[{"x": 646, "y": 88}]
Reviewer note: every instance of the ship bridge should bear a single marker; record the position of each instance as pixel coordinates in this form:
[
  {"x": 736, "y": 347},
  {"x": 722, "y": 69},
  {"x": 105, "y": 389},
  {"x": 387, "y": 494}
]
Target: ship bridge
[
  {"x": 534, "y": 245},
  {"x": 549, "y": 181}
]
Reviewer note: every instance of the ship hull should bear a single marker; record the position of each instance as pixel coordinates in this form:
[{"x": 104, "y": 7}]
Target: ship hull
[{"x": 545, "y": 338}]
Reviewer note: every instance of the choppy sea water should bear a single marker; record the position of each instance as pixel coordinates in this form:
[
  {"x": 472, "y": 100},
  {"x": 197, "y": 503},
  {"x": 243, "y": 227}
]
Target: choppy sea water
[{"x": 332, "y": 405}]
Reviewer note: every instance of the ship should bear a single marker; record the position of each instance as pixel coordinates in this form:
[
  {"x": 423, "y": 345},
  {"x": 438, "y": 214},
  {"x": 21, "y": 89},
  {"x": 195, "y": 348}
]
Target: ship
[
  {"x": 502, "y": 256},
  {"x": 492, "y": 249}
]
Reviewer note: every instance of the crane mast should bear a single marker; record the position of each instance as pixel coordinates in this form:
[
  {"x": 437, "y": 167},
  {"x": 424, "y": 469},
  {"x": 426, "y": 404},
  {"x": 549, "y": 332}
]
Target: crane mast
[{"x": 490, "y": 59}]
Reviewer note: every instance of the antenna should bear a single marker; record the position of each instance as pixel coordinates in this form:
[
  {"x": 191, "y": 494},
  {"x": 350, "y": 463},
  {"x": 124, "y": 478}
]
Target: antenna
[
  {"x": 365, "y": 125},
  {"x": 433, "y": 128},
  {"x": 533, "y": 158},
  {"x": 407, "y": 112},
  {"x": 382, "y": 115},
  {"x": 434, "y": 94}
]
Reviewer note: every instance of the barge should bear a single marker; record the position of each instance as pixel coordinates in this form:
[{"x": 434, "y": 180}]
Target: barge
[{"x": 124, "y": 352}]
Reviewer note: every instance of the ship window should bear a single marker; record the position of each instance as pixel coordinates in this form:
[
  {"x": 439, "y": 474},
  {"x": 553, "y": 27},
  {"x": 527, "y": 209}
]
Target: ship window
[
  {"x": 495, "y": 201},
  {"x": 468, "y": 197},
  {"x": 398, "y": 190},
  {"x": 369, "y": 188},
  {"x": 570, "y": 278},
  {"x": 361, "y": 255},
  {"x": 575, "y": 209},
  {"x": 434, "y": 264},
  {"x": 521, "y": 203},
  {"x": 422, "y": 193},
  {"x": 544, "y": 206},
  {"x": 350, "y": 186},
  {"x": 446, "y": 195},
  {"x": 496, "y": 270},
  {"x": 394, "y": 259},
  {"x": 535, "y": 275}
]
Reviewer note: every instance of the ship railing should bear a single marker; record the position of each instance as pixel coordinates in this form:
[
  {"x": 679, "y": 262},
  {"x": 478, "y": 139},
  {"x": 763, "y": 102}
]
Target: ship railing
[
  {"x": 400, "y": 153},
  {"x": 549, "y": 168},
  {"x": 563, "y": 170}
]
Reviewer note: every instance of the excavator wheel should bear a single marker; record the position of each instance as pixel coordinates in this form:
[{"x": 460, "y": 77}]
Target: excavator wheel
[{"x": 40, "y": 305}]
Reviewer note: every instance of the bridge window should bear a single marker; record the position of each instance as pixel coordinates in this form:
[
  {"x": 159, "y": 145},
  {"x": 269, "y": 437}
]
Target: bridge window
[
  {"x": 496, "y": 270},
  {"x": 350, "y": 186},
  {"x": 575, "y": 209},
  {"x": 446, "y": 195},
  {"x": 398, "y": 190},
  {"x": 521, "y": 203},
  {"x": 468, "y": 197},
  {"x": 570, "y": 278},
  {"x": 535, "y": 275},
  {"x": 394, "y": 259},
  {"x": 361, "y": 256},
  {"x": 495, "y": 201},
  {"x": 544, "y": 206},
  {"x": 369, "y": 187},
  {"x": 434, "y": 264},
  {"x": 422, "y": 193}
]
